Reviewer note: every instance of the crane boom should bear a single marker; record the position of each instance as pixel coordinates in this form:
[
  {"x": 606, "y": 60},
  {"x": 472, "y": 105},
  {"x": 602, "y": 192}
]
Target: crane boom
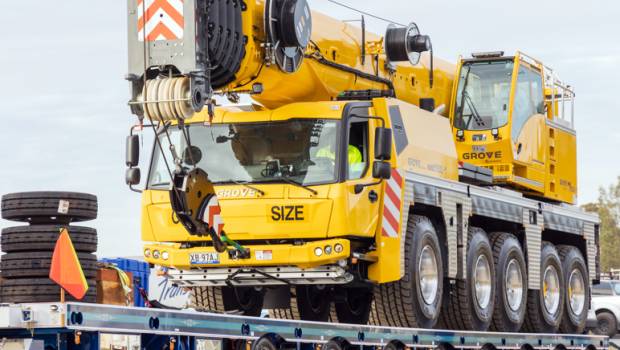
[{"x": 277, "y": 50}]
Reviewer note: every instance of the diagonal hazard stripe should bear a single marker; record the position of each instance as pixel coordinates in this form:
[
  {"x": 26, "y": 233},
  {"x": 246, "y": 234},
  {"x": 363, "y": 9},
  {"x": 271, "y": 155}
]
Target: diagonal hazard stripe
[
  {"x": 395, "y": 198},
  {"x": 166, "y": 7},
  {"x": 161, "y": 30},
  {"x": 397, "y": 177},
  {"x": 390, "y": 219}
]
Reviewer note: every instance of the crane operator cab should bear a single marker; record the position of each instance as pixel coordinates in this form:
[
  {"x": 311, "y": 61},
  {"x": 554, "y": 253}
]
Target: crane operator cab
[{"x": 511, "y": 115}]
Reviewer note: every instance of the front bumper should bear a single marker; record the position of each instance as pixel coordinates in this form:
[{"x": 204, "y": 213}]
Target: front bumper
[
  {"x": 259, "y": 276},
  {"x": 273, "y": 255}
]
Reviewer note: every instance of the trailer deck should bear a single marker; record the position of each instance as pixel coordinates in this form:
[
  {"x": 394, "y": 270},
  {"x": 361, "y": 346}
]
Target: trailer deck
[{"x": 92, "y": 326}]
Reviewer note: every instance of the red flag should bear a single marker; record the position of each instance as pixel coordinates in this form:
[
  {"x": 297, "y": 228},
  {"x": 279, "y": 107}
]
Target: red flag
[{"x": 66, "y": 269}]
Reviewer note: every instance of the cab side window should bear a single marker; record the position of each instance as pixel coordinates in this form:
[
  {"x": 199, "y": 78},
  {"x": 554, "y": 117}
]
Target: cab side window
[
  {"x": 357, "y": 149},
  {"x": 528, "y": 99}
]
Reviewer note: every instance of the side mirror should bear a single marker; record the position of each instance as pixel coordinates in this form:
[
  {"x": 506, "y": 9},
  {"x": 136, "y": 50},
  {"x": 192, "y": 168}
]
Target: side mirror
[
  {"x": 132, "y": 155},
  {"x": 383, "y": 143},
  {"x": 381, "y": 170},
  {"x": 133, "y": 176}
]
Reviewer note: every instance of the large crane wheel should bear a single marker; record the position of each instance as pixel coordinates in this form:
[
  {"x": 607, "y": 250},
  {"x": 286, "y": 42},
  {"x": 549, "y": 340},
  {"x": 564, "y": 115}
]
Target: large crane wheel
[
  {"x": 576, "y": 291},
  {"x": 510, "y": 281},
  {"x": 545, "y": 305},
  {"x": 469, "y": 304},
  {"x": 246, "y": 300},
  {"x": 414, "y": 300}
]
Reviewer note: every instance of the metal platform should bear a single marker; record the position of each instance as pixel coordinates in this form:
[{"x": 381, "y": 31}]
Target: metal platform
[{"x": 86, "y": 326}]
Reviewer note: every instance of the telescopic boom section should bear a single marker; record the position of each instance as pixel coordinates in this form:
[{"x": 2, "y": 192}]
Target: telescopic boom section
[{"x": 181, "y": 53}]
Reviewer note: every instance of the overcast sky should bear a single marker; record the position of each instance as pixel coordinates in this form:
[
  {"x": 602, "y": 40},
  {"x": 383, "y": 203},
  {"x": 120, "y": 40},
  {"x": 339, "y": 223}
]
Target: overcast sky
[{"x": 63, "y": 97}]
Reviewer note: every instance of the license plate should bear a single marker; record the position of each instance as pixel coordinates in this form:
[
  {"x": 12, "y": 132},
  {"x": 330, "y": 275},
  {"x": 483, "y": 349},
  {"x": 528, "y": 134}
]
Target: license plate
[{"x": 204, "y": 258}]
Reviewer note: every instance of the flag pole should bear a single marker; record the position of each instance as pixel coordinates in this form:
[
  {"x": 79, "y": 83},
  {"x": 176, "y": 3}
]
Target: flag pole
[{"x": 62, "y": 295}]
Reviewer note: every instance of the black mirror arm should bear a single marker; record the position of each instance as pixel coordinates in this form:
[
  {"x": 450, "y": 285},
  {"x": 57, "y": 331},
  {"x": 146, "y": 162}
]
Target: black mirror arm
[
  {"x": 357, "y": 189},
  {"x": 133, "y": 189}
]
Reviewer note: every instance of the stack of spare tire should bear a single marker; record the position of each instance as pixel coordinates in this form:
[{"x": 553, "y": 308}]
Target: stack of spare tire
[{"x": 24, "y": 268}]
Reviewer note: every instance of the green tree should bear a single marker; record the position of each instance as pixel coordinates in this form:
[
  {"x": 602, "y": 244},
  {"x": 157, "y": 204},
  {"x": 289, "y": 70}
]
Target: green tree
[{"x": 608, "y": 208}]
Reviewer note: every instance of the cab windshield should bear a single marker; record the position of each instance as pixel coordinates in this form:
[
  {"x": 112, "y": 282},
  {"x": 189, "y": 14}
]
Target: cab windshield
[
  {"x": 300, "y": 150},
  {"x": 483, "y": 95}
]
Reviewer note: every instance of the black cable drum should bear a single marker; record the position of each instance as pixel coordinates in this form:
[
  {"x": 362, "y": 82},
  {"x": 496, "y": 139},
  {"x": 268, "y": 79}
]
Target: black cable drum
[
  {"x": 288, "y": 25},
  {"x": 296, "y": 20},
  {"x": 405, "y": 43},
  {"x": 226, "y": 39}
]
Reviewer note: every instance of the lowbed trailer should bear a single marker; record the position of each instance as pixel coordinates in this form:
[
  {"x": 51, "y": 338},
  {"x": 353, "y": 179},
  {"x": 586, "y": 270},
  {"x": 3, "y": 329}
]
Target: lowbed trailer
[{"x": 63, "y": 326}]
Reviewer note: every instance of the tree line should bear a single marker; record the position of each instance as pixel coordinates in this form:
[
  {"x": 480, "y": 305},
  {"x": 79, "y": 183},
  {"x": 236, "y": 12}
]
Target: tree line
[{"x": 608, "y": 208}]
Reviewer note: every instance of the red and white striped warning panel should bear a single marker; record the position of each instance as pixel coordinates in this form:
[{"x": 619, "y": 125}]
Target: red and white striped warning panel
[
  {"x": 392, "y": 203},
  {"x": 212, "y": 216},
  {"x": 160, "y": 20}
]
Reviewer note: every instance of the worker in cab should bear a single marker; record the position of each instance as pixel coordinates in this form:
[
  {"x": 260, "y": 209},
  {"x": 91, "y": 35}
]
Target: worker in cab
[{"x": 354, "y": 156}]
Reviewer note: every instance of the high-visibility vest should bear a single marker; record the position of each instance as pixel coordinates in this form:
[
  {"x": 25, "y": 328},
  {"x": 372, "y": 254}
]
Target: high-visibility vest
[{"x": 354, "y": 154}]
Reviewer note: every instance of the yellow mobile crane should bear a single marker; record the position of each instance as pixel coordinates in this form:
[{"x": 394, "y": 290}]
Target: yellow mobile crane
[{"x": 344, "y": 193}]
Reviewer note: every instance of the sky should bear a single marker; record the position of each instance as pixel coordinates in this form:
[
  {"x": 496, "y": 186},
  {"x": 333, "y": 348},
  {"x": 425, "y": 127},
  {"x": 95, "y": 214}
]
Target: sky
[{"x": 63, "y": 97}]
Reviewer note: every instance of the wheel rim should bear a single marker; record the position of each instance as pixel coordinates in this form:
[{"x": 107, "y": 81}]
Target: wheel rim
[
  {"x": 482, "y": 281},
  {"x": 428, "y": 274},
  {"x": 576, "y": 291},
  {"x": 551, "y": 290},
  {"x": 514, "y": 285}
]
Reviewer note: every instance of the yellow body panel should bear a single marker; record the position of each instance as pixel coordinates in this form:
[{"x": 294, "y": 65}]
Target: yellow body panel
[
  {"x": 561, "y": 181},
  {"x": 430, "y": 150}
]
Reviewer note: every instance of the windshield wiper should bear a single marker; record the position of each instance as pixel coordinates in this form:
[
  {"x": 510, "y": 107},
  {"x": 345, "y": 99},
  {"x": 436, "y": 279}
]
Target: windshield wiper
[
  {"x": 244, "y": 184},
  {"x": 295, "y": 183},
  {"x": 474, "y": 112}
]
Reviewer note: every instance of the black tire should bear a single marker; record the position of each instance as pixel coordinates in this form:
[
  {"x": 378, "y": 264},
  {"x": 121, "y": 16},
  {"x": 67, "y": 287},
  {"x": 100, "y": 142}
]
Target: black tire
[
  {"x": 506, "y": 252},
  {"x": 462, "y": 309},
  {"x": 35, "y": 290},
  {"x": 313, "y": 302},
  {"x": 43, "y": 238},
  {"x": 354, "y": 308},
  {"x": 49, "y": 207},
  {"x": 573, "y": 264},
  {"x": 268, "y": 342},
  {"x": 537, "y": 318},
  {"x": 246, "y": 300},
  {"x": 337, "y": 343},
  {"x": 37, "y": 264},
  {"x": 606, "y": 324},
  {"x": 400, "y": 303}
]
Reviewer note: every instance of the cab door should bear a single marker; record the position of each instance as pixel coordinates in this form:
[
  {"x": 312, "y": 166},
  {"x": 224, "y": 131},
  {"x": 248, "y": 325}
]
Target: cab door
[{"x": 362, "y": 203}]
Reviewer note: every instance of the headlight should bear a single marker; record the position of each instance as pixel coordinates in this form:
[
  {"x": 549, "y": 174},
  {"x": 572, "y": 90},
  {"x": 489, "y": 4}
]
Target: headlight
[
  {"x": 318, "y": 251},
  {"x": 338, "y": 248},
  {"x": 328, "y": 249},
  {"x": 165, "y": 255},
  {"x": 156, "y": 254},
  {"x": 147, "y": 252}
]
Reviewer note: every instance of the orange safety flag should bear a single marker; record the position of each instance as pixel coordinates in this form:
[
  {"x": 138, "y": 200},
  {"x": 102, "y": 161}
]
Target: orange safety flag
[{"x": 66, "y": 269}]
